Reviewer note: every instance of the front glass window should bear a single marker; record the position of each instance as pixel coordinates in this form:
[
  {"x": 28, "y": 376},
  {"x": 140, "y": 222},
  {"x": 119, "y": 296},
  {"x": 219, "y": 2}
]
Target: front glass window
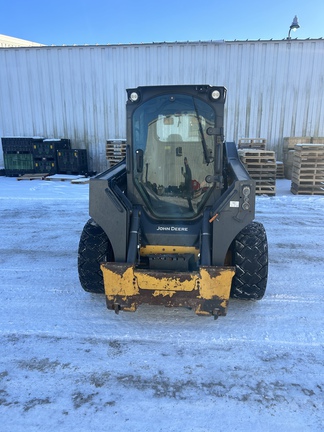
[{"x": 173, "y": 154}]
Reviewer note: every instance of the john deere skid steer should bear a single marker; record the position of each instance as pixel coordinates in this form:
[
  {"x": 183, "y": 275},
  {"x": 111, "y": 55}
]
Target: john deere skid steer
[{"x": 172, "y": 223}]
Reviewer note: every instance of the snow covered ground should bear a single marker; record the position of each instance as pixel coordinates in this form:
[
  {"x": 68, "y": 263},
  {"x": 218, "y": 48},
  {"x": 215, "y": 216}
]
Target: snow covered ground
[{"x": 69, "y": 364}]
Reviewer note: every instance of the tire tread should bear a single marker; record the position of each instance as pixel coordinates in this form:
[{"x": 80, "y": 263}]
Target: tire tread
[
  {"x": 94, "y": 248},
  {"x": 250, "y": 257}
]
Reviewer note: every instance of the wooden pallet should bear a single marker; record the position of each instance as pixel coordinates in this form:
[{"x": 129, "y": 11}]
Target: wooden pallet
[
  {"x": 252, "y": 143},
  {"x": 308, "y": 181},
  {"x": 64, "y": 177},
  {"x": 257, "y": 157},
  {"x": 84, "y": 180},
  {"x": 262, "y": 167},
  {"x": 298, "y": 189},
  {"x": 288, "y": 158},
  {"x": 309, "y": 153},
  {"x": 308, "y": 169},
  {"x": 263, "y": 178},
  {"x": 267, "y": 184},
  {"x": 280, "y": 170},
  {"x": 38, "y": 176},
  {"x": 311, "y": 160},
  {"x": 115, "y": 151},
  {"x": 305, "y": 172},
  {"x": 259, "y": 164},
  {"x": 290, "y": 142},
  {"x": 317, "y": 140},
  {"x": 306, "y": 147},
  {"x": 255, "y": 153},
  {"x": 264, "y": 189}
]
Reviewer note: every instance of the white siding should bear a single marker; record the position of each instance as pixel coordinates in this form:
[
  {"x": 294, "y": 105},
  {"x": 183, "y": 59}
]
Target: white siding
[
  {"x": 275, "y": 88},
  {"x": 8, "y": 41}
]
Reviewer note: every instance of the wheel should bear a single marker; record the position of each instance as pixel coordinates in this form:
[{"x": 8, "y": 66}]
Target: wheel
[
  {"x": 94, "y": 248},
  {"x": 250, "y": 257}
]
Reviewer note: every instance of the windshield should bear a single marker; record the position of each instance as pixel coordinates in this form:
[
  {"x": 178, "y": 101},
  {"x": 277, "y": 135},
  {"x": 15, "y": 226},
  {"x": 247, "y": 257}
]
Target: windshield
[{"x": 173, "y": 154}]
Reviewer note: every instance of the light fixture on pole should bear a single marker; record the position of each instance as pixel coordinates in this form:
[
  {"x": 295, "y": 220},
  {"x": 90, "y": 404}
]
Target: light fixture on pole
[{"x": 294, "y": 26}]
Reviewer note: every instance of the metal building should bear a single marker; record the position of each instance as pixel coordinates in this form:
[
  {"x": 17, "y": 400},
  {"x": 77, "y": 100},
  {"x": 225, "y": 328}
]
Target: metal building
[
  {"x": 275, "y": 88},
  {"x": 9, "y": 41}
]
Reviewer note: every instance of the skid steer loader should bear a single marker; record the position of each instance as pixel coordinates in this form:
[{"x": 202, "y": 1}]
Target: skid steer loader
[{"x": 172, "y": 223}]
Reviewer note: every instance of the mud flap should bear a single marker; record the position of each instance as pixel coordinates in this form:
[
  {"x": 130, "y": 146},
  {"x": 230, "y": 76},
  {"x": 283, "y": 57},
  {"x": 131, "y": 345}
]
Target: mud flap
[{"x": 206, "y": 291}]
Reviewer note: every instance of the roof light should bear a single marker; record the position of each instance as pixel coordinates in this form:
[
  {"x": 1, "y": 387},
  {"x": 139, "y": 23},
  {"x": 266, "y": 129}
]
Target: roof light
[
  {"x": 134, "y": 97},
  {"x": 215, "y": 94}
]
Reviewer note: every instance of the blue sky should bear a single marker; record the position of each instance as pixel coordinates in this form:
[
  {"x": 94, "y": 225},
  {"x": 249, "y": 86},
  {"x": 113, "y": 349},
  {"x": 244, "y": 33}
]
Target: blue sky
[{"x": 138, "y": 21}]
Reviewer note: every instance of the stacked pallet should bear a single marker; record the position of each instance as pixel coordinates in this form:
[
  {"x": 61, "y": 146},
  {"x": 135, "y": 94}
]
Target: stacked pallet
[
  {"x": 308, "y": 170},
  {"x": 289, "y": 144},
  {"x": 252, "y": 143},
  {"x": 115, "y": 151},
  {"x": 280, "y": 171},
  {"x": 261, "y": 166}
]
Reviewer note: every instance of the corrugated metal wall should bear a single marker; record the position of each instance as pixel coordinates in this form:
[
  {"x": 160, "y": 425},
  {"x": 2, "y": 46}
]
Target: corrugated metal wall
[{"x": 275, "y": 88}]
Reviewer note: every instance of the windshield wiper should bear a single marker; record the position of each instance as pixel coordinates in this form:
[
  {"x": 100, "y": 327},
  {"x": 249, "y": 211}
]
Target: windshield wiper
[{"x": 203, "y": 141}]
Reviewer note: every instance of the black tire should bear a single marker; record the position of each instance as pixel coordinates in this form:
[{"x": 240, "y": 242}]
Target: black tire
[
  {"x": 94, "y": 248},
  {"x": 250, "y": 257}
]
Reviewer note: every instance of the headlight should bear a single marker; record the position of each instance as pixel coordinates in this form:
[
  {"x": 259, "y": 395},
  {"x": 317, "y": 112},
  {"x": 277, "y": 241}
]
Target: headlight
[{"x": 246, "y": 191}]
